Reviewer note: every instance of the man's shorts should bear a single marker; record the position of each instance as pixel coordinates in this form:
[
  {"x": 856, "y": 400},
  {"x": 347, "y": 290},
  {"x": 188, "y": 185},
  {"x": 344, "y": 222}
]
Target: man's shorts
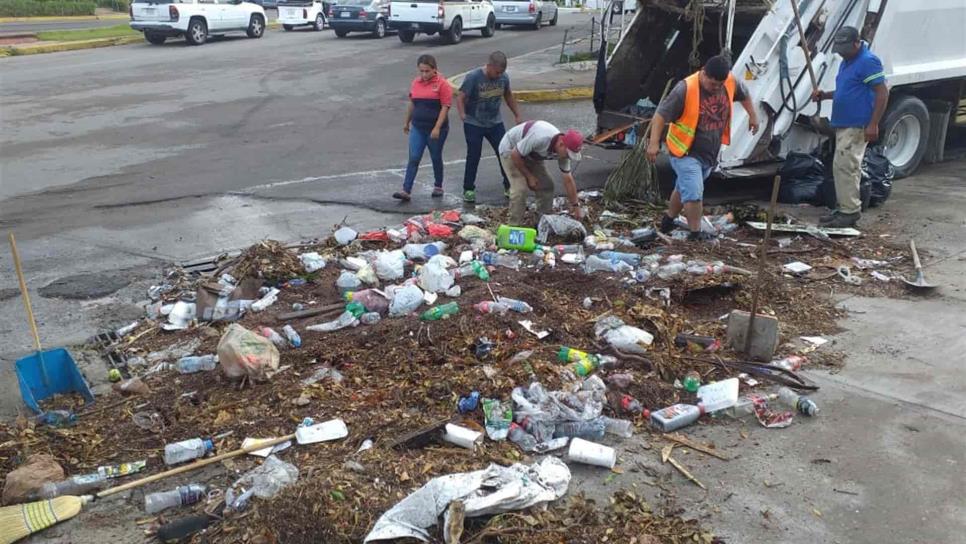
[{"x": 690, "y": 174}]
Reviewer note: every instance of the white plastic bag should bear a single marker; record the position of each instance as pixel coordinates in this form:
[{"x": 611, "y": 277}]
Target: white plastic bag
[
  {"x": 623, "y": 337},
  {"x": 345, "y": 236},
  {"x": 389, "y": 265},
  {"x": 560, "y": 225},
  {"x": 313, "y": 262},
  {"x": 269, "y": 478},
  {"x": 405, "y": 300},
  {"x": 241, "y": 353},
  {"x": 434, "y": 277}
]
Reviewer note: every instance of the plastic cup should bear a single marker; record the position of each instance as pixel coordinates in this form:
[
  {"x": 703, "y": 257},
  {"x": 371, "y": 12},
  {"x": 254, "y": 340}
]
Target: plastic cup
[
  {"x": 591, "y": 453},
  {"x": 462, "y": 437}
]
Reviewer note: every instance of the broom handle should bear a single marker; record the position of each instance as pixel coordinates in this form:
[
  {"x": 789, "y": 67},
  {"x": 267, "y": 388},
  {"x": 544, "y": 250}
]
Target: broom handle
[
  {"x": 193, "y": 466},
  {"x": 27, "y": 306},
  {"x": 804, "y": 44}
]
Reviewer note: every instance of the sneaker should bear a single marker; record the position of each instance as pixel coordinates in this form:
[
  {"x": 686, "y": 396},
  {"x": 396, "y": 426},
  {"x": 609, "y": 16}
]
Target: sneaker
[
  {"x": 701, "y": 236},
  {"x": 469, "y": 196},
  {"x": 404, "y": 196},
  {"x": 841, "y": 220},
  {"x": 437, "y": 192},
  {"x": 667, "y": 224}
]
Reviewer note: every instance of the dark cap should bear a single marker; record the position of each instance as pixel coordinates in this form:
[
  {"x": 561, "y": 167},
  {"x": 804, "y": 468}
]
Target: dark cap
[{"x": 847, "y": 34}]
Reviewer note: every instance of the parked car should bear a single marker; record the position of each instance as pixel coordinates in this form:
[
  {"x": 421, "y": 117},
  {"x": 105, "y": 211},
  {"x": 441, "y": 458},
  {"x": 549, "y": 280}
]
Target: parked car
[
  {"x": 360, "y": 16},
  {"x": 293, "y": 13},
  {"x": 532, "y": 13},
  {"x": 449, "y": 18},
  {"x": 196, "y": 20}
]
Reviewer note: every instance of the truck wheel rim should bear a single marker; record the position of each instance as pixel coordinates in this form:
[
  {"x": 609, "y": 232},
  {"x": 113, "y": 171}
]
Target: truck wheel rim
[
  {"x": 257, "y": 27},
  {"x": 903, "y": 140},
  {"x": 197, "y": 33}
]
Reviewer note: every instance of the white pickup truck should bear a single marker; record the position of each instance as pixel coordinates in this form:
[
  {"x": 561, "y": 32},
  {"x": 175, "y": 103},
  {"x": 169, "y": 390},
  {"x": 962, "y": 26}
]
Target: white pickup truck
[
  {"x": 293, "y": 13},
  {"x": 196, "y": 20},
  {"x": 449, "y": 18}
]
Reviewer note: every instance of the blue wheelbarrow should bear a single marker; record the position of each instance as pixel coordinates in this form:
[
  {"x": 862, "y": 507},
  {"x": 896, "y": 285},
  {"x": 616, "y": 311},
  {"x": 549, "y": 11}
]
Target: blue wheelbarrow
[{"x": 45, "y": 373}]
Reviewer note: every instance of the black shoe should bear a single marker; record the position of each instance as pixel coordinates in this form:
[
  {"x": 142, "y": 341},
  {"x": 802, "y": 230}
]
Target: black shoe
[
  {"x": 829, "y": 217},
  {"x": 701, "y": 236},
  {"x": 841, "y": 220},
  {"x": 667, "y": 224}
]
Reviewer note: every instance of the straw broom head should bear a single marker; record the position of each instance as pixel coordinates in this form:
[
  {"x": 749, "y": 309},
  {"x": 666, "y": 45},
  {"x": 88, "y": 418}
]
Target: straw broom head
[{"x": 21, "y": 520}]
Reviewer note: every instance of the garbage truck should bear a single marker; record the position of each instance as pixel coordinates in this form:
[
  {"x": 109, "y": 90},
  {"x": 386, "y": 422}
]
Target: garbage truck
[{"x": 922, "y": 44}]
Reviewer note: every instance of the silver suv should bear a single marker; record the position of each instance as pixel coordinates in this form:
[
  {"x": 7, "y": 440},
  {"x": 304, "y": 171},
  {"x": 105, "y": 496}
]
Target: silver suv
[{"x": 532, "y": 13}]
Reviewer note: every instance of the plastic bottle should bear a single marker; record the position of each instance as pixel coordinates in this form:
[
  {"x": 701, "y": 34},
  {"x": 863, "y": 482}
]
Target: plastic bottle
[
  {"x": 642, "y": 275},
  {"x": 123, "y": 469},
  {"x": 181, "y": 496},
  {"x": 699, "y": 268},
  {"x": 516, "y": 305},
  {"x": 801, "y": 404},
  {"x": 563, "y": 249},
  {"x": 541, "y": 430},
  {"x": 506, "y": 261},
  {"x": 676, "y": 416},
  {"x": 519, "y": 238},
  {"x": 186, "y": 450},
  {"x": 584, "y": 363},
  {"x": 597, "y": 264},
  {"x": 373, "y": 301},
  {"x": 345, "y": 319},
  {"x": 521, "y": 438},
  {"x": 490, "y": 307},
  {"x": 192, "y": 364},
  {"x": 275, "y": 337},
  {"x": 441, "y": 311},
  {"x": 745, "y": 405},
  {"x": 370, "y": 318},
  {"x": 423, "y": 251},
  {"x": 792, "y": 362},
  {"x": 81, "y": 484},
  {"x": 292, "y": 336},
  {"x": 623, "y": 404},
  {"x": 619, "y": 427},
  {"x": 472, "y": 268},
  {"x": 643, "y": 235},
  {"x": 588, "y": 430},
  {"x": 671, "y": 270},
  {"x": 270, "y": 297},
  {"x": 632, "y": 259}
]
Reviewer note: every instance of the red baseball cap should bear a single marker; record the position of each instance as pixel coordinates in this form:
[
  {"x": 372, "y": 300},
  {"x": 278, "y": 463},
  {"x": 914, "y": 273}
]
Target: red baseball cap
[{"x": 574, "y": 141}]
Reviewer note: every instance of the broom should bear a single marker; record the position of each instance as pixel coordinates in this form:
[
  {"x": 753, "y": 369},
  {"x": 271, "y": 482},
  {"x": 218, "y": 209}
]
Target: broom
[{"x": 21, "y": 520}]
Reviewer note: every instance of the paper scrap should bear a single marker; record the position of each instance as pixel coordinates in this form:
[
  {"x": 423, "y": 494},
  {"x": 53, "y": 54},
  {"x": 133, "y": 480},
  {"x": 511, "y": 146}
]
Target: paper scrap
[{"x": 528, "y": 325}]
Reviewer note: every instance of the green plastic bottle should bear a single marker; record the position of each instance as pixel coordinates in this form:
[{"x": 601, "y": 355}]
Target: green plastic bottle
[
  {"x": 518, "y": 238},
  {"x": 441, "y": 311},
  {"x": 584, "y": 363}
]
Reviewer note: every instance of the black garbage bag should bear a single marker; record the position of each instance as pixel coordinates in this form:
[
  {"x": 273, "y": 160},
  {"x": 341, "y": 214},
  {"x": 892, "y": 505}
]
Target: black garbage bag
[
  {"x": 879, "y": 173},
  {"x": 801, "y": 179}
]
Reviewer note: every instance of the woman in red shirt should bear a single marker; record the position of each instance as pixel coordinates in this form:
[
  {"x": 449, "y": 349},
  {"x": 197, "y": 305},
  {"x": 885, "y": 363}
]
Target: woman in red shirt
[{"x": 430, "y": 97}]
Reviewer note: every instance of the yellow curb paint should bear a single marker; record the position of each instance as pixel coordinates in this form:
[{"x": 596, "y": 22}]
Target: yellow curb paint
[
  {"x": 54, "y": 19},
  {"x": 56, "y": 47},
  {"x": 554, "y": 95}
]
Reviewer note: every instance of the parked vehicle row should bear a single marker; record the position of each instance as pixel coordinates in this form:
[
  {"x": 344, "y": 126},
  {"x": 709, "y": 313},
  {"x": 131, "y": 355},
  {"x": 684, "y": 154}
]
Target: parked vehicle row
[{"x": 198, "y": 20}]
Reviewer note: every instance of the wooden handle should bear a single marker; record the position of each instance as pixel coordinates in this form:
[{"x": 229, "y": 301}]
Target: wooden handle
[
  {"x": 195, "y": 465},
  {"x": 915, "y": 254},
  {"x": 804, "y": 44},
  {"x": 23, "y": 292}
]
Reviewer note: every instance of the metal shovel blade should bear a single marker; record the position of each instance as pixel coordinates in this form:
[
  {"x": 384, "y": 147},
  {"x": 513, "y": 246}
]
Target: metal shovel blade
[{"x": 920, "y": 281}]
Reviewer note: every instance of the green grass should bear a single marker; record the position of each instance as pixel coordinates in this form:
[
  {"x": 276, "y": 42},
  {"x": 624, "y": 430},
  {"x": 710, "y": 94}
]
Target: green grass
[{"x": 117, "y": 31}]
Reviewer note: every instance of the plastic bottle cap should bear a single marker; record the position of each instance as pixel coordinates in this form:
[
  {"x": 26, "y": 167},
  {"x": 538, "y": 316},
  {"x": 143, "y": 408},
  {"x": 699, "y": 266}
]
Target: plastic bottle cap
[{"x": 209, "y": 445}]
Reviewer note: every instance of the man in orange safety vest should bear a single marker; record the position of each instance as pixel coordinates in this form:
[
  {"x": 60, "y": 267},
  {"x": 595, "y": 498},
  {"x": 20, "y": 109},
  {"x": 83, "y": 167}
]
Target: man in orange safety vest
[{"x": 699, "y": 111}]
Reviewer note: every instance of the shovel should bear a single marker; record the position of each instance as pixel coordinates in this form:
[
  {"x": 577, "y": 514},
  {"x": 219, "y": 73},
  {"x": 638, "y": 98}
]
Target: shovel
[
  {"x": 920, "y": 282},
  {"x": 45, "y": 373}
]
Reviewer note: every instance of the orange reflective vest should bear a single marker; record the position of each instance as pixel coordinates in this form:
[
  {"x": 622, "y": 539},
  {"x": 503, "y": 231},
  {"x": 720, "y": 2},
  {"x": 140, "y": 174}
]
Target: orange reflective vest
[{"x": 680, "y": 133}]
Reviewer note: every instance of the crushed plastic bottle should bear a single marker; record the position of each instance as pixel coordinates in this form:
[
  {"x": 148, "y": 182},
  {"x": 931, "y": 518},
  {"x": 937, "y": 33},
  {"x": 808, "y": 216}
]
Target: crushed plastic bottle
[
  {"x": 346, "y": 319},
  {"x": 701, "y": 268},
  {"x": 187, "y": 450},
  {"x": 472, "y": 268},
  {"x": 496, "y": 259},
  {"x": 370, "y": 318},
  {"x": 292, "y": 336},
  {"x": 671, "y": 270},
  {"x": 516, "y": 305},
  {"x": 183, "y": 495},
  {"x": 192, "y": 364},
  {"x": 583, "y": 362},
  {"x": 619, "y": 427},
  {"x": 274, "y": 336},
  {"x": 632, "y": 259},
  {"x": 597, "y": 264},
  {"x": 588, "y": 430},
  {"x": 490, "y": 307},
  {"x": 270, "y": 297},
  {"x": 81, "y": 484},
  {"x": 745, "y": 406},
  {"x": 440, "y": 312},
  {"x": 801, "y": 404}
]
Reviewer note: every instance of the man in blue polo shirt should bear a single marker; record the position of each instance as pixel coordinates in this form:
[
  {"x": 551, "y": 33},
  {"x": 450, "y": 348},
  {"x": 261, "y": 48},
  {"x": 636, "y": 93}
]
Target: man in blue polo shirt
[{"x": 858, "y": 102}]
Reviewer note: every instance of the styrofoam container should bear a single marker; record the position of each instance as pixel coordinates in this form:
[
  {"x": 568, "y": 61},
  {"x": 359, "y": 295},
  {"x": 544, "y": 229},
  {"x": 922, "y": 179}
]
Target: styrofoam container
[
  {"x": 462, "y": 437},
  {"x": 591, "y": 453},
  {"x": 322, "y": 432}
]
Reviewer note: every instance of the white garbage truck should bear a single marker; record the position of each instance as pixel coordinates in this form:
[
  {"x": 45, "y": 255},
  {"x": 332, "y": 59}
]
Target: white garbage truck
[{"x": 922, "y": 44}]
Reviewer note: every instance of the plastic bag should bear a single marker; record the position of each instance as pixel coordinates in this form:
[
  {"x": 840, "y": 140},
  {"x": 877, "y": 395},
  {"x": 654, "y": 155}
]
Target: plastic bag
[
  {"x": 471, "y": 232},
  {"x": 389, "y": 265},
  {"x": 348, "y": 282},
  {"x": 623, "y": 337},
  {"x": 345, "y": 236},
  {"x": 560, "y": 225},
  {"x": 313, "y": 262},
  {"x": 405, "y": 300},
  {"x": 241, "y": 353},
  {"x": 439, "y": 230},
  {"x": 879, "y": 172},
  {"x": 367, "y": 274},
  {"x": 498, "y": 417},
  {"x": 267, "y": 479},
  {"x": 802, "y": 176},
  {"x": 434, "y": 277}
]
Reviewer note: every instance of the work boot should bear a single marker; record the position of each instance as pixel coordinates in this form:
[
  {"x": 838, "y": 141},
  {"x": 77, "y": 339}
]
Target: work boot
[
  {"x": 701, "y": 236},
  {"x": 667, "y": 224},
  {"x": 829, "y": 217},
  {"x": 841, "y": 220}
]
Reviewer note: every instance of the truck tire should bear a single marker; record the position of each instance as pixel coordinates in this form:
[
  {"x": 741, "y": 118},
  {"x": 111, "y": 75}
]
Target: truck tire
[
  {"x": 455, "y": 32},
  {"x": 380, "y": 31},
  {"x": 490, "y": 29},
  {"x": 407, "y": 36},
  {"x": 319, "y": 23},
  {"x": 156, "y": 39},
  {"x": 341, "y": 33},
  {"x": 904, "y": 133},
  {"x": 256, "y": 26},
  {"x": 197, "y": 32},
  {"x": 288, "y": 28},
  {"x": 539, "y": 22}
]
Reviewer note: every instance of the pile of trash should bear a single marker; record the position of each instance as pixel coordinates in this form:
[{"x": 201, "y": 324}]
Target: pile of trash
[{"x": 372, "y": 382}]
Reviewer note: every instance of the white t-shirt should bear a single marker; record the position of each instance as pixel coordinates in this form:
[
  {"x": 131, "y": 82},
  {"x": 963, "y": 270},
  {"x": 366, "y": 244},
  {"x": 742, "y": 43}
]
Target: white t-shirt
[{"x": 535, "y": 145}]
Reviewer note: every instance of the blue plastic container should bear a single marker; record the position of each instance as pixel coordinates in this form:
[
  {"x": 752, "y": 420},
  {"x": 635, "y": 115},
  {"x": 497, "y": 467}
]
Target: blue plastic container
[{"x": 62, "y": 376}]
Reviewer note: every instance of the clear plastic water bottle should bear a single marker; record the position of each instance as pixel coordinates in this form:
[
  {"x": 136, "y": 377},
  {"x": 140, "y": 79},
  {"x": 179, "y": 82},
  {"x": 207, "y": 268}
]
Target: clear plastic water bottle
[
  {"x": 370, "y": 318},
  {"x": 792, "y": 362},
  {"x": 490, "y": 307},
  {"x": 293, "y": 336},
  {"x": 802, "y": 405},
  {"x": 541, "y": 430},
  {"x": 496, "y": 259},
  {"x": 192, "y": 364},
  {"x": 745, "y": 405},
  {"x": 274, "y": 336},
  {"x": 632, "y": 259},
  {"x": 180, "y": 496},
  {"x": 642, "y": 275},
  {"x": 186, "y": 450},
  {"x": 671, "y": 270},
  {"x": 516, "y": 305},
  {"x": 81, "y": 484},
  {"x": 700, "y": 268},
  {"x": 619, "y": 427},
  {"x": 562, "y": 249},
  {"x": 470, "y": 269},
  {"x": 521, "y": 438},
  {"x": 597, "y": 264},
  {"x": 588, "y": 430}
]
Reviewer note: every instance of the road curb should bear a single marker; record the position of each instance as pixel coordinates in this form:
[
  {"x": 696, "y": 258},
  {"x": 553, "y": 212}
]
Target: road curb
[
  {"x": 554, "y": 95},
  {"x": 55, "y": 19},
  {"x": 56, "y": 47}
]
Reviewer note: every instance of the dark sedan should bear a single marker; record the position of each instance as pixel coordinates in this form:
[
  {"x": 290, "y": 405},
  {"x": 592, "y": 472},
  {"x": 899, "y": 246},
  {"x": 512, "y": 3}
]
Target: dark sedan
[{"x": 359, "y": 16}]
